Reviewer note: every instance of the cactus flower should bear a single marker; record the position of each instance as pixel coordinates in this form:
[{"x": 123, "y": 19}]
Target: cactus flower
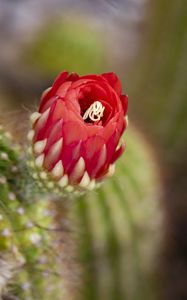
[{"x": 76, "y": 132}]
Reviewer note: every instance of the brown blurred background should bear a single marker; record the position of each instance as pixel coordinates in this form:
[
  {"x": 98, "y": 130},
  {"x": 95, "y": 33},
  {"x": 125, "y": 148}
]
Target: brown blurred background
[{"x": 145, "y": 42}]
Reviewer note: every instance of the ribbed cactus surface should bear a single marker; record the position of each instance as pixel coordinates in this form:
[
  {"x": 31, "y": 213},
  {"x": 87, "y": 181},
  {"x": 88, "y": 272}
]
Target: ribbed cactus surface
[
  {"x": 27, "y": 253},
  {"x": 160, "y": 77},
  {"x": 116, "y": 231},
  {"x": 160, "y": 106},
  {"x": 121, "y": 229}
]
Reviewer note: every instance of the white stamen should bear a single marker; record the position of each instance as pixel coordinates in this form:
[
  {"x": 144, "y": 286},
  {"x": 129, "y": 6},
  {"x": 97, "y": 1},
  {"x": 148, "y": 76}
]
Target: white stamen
[{"x": 94, "y": 112}]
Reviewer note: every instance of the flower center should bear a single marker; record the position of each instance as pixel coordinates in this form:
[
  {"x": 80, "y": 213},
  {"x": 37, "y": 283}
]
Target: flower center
[{"x": 94, "y": 112}]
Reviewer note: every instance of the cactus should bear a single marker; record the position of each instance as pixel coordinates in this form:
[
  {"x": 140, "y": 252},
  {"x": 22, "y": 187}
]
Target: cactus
[
  {"x": 79, "y": 48},
  {"x": 163, "y": 84},
  {"x": 27, "y": 253},
  {"x": 120, "y": 224},
  {"x": 114, "y": 244},
  {"x": 160, "y": 77}
]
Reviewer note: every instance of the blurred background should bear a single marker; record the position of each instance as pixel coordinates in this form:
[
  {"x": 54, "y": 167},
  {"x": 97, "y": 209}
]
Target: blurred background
[{"x": 145, "y": 43}]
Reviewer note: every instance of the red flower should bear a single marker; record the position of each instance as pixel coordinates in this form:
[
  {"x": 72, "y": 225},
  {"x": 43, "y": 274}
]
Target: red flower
[{"x": 78, "y": 127}]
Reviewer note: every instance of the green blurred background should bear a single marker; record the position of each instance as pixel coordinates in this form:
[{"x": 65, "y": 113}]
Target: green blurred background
[{"x": 134, "y": 230}]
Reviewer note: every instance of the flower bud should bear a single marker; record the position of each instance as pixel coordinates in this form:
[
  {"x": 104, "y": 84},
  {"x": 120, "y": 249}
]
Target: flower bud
[{"x": 76, "y": 132}]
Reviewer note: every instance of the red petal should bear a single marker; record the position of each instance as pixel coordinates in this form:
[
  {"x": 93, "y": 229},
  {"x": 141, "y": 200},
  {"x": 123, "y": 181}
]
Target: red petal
[
  {"x": 42, "y": 124},
  {"x": 62, "y": 90},
  {"x": 48, "y": 104},
  {"x": 80, "y": 82},
  {"x": 70, "y": 155},
  {"x": 99, "y": 161},
  {"x": 92, "y": 146},
  {"x": 60, "y": 79},
  {"x": 53, "y": 155},
  {"x": 124, "y": 101},
  {"x": 45, "y": 92},
  {"x": 92, "y": 77},
  {"x": 71, "y": 100},
  {"x": 55, "y": 133},
  {"x": 114, "y": 82},
  {"x": 112, "y": 144},
  {"x": 73, "y": 77},
  {"x": 90, "y": 151},
  {"x": 109, "y": 130},
  {"x": 52, "y": 92},
  {"x": 121, "y": 125},
  {"x": 93, "y": 129},
  {"x": 59, "y": 112},
  {"x": 120, "y": 121},
  {"x": 74, "y": 131},
  {"x": 117, "y": 154},
  {"x": 112, "y": 96},
  {"x": 97, "y": 91}
]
